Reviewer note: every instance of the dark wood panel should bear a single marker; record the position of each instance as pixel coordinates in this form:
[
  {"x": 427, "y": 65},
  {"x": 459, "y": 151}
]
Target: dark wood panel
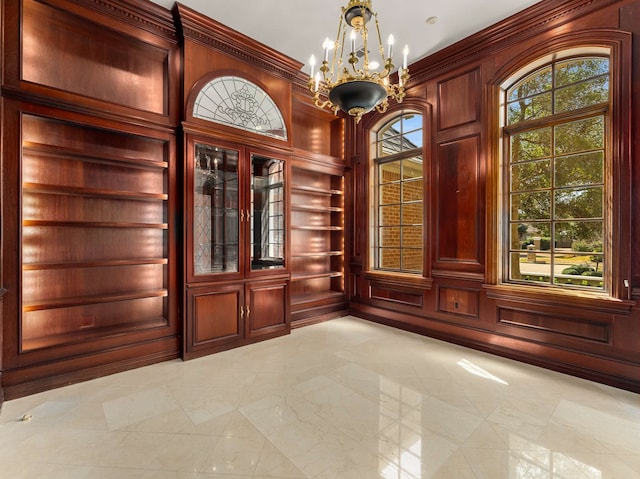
[
  {"x": 216, "y": 316},
  {"x": 459, "y": 100},
  {"x": 556, "y": 325},
  {"x": 79, "y": 56},
  {"x": 459, "y": 203},
  {"x": 459, "y": 301},
  {"x": 397, "y": 296},
  {"x": 268, "y": 309}
]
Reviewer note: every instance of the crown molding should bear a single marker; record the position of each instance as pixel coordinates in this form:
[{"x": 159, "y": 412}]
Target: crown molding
[
  {"x": 139, "y": 13},
  {"x": 532, "y": 21},
  {"x": 204, "y": 30}
]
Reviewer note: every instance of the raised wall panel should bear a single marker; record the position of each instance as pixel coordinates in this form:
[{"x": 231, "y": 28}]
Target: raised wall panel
[
  {"x": 459, "y": 100},
  {"x": 458, "y": 301},
  {"x": 459, "y": 203},
  {"x": 396, "y": 295},
  {"x": 557, "y": 326},
  {"x": 76, "y": 55}
]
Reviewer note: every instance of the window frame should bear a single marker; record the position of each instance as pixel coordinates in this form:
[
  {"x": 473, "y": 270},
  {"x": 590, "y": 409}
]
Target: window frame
[
  {"x": 553, "y": 120},
  {"x": 375, "y": 160},
  {"x": 618, "y": 47}
]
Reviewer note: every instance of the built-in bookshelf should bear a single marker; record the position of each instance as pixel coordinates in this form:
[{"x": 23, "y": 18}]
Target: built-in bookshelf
[{"x": 317, "y": 244}]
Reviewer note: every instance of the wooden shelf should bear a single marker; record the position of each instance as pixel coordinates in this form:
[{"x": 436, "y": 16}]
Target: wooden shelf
[
  {"x": 316, "y": 297},
  {"x": 93, "y": 264},
  {"x": 94, "y": 224},
  {"x": 92, "y": 192},
  {"x": 88, "y": 334},
  {"x": 312, "y": 189},
  {"x": 317, "y": 209},
  {"x": 54, "y": 303},
  {"x": 317, "y": 228},
  {"x": 66, "y": 153},
  {"x": 316, "y": 254},
  {"x": 327, "y": 274}
]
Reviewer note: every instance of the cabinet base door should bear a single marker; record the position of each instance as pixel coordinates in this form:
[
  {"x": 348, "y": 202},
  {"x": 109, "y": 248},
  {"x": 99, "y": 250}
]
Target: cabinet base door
[
  {"x": 215, "y": 319},
  {"x": 268, "y": 314}
]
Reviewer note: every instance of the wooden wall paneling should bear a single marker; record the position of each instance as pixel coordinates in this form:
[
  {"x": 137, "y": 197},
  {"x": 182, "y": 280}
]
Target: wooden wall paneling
[
  {"x": 459, "y": 203},
  {"x": 629, "y": 15},
  {"x": 591, "y": 337},
  {"x": 459, "y": 100},
  {"x": 114, "y": 61}
]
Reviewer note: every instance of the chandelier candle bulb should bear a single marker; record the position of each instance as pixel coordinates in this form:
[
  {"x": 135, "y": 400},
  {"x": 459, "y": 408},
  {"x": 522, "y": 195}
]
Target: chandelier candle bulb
[
  {"x": 312, "y": 62},
  {"x": 353, "y": 41},
  {"x": 327, "y": 45},
  {"x": 405, "y": 54},
  {"x": 390, "y": 42}
]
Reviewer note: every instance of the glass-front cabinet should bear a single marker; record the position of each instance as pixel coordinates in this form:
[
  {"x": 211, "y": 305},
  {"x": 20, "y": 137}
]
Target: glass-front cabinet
[
  {"x": 267, "y": 213},
  {"x": 236, "y": 244},
  {"x": 216, "y": 213}
]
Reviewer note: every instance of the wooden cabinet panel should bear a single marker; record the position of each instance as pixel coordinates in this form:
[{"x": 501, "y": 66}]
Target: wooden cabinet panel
[
  {"x": 267, "y": 309},
  {"x": 216, "y": 316}
]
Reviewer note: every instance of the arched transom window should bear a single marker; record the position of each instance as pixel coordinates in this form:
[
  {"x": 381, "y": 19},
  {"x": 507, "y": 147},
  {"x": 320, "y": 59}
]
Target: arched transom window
[{"x": 237, "y": 102}]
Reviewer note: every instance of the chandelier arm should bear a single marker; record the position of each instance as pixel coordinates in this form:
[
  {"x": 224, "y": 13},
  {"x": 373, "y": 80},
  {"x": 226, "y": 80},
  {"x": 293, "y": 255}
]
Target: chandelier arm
[{"x": 381, "y": 47}]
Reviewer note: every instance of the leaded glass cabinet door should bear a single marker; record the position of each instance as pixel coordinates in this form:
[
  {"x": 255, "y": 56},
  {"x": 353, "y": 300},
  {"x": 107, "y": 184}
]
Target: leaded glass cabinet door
[
  {"x": 267, "y": 213},
  {"x": 216, "y": 218}
]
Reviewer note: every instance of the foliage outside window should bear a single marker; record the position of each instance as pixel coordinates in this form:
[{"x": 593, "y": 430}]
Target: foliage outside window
[
  {"x": 399, "y": 190},
  {"x": 556, "y": 122}
]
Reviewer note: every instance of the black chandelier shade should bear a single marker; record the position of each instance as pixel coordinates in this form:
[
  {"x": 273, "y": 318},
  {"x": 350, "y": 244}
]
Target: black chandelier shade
[{"x": 359, "y": 96}]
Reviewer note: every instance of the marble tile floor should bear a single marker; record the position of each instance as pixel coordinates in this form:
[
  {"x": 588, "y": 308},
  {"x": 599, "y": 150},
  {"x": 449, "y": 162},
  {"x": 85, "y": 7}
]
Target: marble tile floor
[{"x": 345, "y": 399}]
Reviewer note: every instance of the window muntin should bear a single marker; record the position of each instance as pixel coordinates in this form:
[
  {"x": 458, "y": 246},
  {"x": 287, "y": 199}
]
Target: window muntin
[
  {"x": 556, "y": 208},
  {"x": 398, "y": 236},
  {"x": 237, "y": 102}
]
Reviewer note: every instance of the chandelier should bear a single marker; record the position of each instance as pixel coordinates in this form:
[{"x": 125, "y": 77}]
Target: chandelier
[{"x": 351, "y": 80}]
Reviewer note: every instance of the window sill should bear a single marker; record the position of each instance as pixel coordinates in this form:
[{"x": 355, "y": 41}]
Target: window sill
[
  {"x": 400, "y": 279},
  {"x": 559, "y": 298}
]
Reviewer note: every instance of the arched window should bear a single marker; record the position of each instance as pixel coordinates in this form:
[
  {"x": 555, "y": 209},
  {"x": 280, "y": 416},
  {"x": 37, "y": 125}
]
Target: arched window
[
  {"x": 555, "y": 175},
  {"x": 398, "y": 191},
  {"x": 237, "y": 102}
]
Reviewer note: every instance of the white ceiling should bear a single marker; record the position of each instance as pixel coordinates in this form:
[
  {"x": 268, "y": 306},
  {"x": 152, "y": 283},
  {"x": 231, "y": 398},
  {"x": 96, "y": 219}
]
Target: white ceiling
[{"x": 297, "y": 28}]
